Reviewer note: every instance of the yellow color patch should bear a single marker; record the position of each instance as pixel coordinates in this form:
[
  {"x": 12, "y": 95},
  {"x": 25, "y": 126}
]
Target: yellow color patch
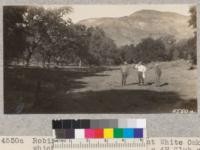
[{"x": 108, "y": 133}]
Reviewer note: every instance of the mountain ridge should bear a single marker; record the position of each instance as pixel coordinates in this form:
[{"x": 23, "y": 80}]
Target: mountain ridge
[{"x": 144, "y": 23}]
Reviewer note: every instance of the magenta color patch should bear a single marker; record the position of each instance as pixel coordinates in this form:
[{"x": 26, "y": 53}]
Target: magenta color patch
[{"x": 89, "y": 133}]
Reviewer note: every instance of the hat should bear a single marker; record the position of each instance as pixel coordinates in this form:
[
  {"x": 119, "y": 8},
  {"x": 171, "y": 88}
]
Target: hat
[{"x": 125, "y": 62}]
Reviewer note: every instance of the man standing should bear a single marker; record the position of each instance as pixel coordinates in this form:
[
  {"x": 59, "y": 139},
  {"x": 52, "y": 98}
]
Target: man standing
[
  {"x": 158, "y": 73},
  {"x": 124, "y": 72},
  {"x": 141, "y": 69}
]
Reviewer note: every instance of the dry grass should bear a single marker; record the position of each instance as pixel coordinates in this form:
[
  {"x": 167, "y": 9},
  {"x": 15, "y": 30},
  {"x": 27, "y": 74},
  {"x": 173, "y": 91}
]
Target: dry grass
[{"x": 100, "y": 91}]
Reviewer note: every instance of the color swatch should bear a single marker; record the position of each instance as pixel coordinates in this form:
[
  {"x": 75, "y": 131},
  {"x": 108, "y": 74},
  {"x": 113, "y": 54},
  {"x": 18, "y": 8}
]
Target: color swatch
[
  {"x": 98, "y": 129},
  {"x": 108, "y": 133}
]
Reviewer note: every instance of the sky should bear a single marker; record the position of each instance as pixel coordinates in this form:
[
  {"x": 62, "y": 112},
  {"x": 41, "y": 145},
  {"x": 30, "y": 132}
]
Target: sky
[{"x": 81, "y": 12}]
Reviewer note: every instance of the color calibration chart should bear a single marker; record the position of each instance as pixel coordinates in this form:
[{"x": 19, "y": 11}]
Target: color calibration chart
[{"x": 99, "y": 134}]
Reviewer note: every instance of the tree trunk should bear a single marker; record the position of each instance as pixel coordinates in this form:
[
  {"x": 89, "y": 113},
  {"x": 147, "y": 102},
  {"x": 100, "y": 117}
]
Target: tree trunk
[
  {"x": 28, "y": 57},
  {"x": 48, "y": 62},
  {"x": 43, "y": 63},
  {"x": 27, "y": 62}
]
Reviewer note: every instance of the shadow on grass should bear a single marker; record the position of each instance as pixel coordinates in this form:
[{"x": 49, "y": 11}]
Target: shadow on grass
[
  {"x": 134, "y": 83},
  {"x": 164, "y": 84},
  {"x": 30, "y": 87},
  {"x": 114, "y": 101},
  {"x": 150, "y": 83}
]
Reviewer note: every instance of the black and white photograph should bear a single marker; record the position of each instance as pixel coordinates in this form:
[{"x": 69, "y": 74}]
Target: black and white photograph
[{"x": 124, "y": 59}]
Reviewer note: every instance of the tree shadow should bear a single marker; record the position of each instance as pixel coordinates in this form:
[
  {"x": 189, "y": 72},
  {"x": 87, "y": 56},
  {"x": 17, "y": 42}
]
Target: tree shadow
[
  {"x": 50, "y": 91},
  {"x": 116, "y": 101},
  {"x": 37, "y": 86},
  {"x": 134, "y": 83},
  {"x": 149, "y": 83},
  {"x": 164, "y": 84}
]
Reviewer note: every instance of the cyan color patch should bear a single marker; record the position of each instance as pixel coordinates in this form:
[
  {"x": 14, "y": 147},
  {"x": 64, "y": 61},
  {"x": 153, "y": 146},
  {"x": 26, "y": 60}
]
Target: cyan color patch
[{"x": 128, "y": 133}]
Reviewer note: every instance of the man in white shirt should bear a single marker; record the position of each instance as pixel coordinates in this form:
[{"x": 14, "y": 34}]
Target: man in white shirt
[
  {"x": 141, "y": 69},
  {"x": 124, "y": 71}
]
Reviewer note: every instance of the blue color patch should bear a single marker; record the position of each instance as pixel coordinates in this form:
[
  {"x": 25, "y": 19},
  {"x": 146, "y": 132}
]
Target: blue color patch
[
  {"x": 128, "y": 133},
  {"x": 138, "y": 133}
]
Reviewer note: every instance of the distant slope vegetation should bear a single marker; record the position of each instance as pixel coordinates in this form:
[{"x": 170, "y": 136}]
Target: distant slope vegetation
[{"x": 141, "y": 24}]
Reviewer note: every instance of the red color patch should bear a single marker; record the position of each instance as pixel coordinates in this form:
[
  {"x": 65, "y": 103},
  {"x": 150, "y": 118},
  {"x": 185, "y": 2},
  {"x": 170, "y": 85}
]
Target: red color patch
[{"x": 99, "y": 133}]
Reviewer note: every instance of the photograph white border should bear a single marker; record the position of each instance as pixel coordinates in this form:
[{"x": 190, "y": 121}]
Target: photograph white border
[{"x": 158, "y": 125}]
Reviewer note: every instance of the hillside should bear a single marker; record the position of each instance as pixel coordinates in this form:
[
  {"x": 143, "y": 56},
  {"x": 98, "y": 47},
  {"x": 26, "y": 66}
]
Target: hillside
[{"x": 144, "y": 23}]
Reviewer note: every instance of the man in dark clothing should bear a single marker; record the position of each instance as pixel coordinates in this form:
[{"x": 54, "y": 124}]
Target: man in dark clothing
[
  {"x": 124, "y": 72},
  {"x": 158, "y": 74}
]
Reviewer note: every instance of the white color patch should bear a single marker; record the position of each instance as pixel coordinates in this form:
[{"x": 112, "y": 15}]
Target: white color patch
[
  {"x": 141, "y": 123},
  {"x": 79, "y": 133}
]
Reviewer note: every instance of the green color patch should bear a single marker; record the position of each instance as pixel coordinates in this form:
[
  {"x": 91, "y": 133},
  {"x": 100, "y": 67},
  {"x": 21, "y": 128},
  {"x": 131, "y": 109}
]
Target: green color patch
[{"x": 118, "y": 133}]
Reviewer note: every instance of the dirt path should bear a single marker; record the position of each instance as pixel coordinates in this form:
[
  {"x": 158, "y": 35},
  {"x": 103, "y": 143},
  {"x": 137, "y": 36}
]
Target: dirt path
[
  {"x": 177, "y": 79},
  {"x": 103, "y": 92}
]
